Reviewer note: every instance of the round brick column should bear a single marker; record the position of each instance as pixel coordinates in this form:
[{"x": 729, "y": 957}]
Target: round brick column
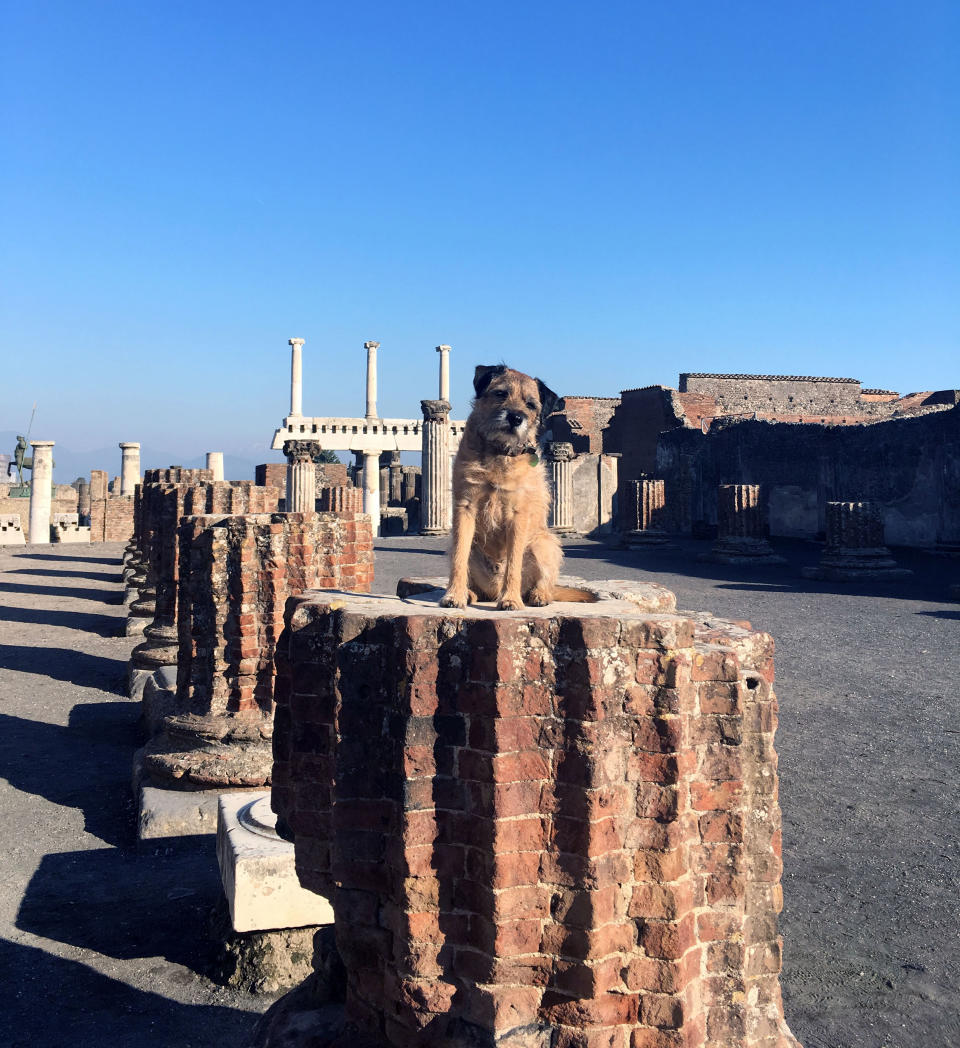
[
  {"x": 742, "y": 526},
  {"x": 855, "y": 545},
  {"x": 646, "y": 511}
]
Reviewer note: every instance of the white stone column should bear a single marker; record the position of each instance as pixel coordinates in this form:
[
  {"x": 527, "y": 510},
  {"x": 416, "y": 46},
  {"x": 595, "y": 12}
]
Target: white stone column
[
  {"x": 444, "y": 352},
  {"x": 296, "y": 376},
  {"x": 560, "y": 456},
  {"x": 215, "y": 463},
  {"x": 301, "y": 475},
  {"x": 41, "y": 479},
  {"x": 434, "y": 513},
  {"x": 371, "y": 348},
  {"x": 129, "y": 468},
  {"x": 371, "y": 489}
]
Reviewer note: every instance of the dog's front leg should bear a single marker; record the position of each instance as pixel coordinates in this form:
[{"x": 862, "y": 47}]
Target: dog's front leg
[
  {"x": 511, "y": 599},
  {"x": 459, "y": 594}
]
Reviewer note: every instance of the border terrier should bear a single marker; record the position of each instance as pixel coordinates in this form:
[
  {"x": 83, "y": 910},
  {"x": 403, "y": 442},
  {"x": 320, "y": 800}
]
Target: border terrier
[{"x": 502, "y": 549}]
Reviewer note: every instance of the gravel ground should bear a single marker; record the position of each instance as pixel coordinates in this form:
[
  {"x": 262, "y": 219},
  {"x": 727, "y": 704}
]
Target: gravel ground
[{"x": 104, "y": 944}]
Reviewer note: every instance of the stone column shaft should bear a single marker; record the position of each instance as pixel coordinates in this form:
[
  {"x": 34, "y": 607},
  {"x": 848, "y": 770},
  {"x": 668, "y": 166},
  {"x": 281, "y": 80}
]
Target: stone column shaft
[
  {"x": 371, "y": 348},
  {"x": 435, "y": 505},
  {"x": 371, "y": 489},
  {"x": 41, "y": 479},
  {"x": 444, "y": 352},
  {"x": 215, "y": 464},
  {"x": 129, "y": 468},
  {"x": 296, "y": 376}
]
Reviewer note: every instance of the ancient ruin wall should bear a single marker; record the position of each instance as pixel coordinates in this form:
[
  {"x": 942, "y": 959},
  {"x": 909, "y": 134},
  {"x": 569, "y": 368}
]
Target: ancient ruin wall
[
  {"x": 782, "y": 394},
  {"x": 910, "y": 465},
  {"x": 538, "y": 828}
]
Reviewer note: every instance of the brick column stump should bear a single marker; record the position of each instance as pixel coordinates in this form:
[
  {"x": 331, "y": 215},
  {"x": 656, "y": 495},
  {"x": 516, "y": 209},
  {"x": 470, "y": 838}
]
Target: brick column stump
[
  {"x": 645, "y": 515},
  {"x": 742, "y": 527},
  {"x": 855, "y": 546},
  {"x": 550, "y": 828}
]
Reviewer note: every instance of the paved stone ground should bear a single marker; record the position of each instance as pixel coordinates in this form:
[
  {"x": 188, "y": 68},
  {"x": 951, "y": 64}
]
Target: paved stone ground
[{"x": 104, "y": 945}]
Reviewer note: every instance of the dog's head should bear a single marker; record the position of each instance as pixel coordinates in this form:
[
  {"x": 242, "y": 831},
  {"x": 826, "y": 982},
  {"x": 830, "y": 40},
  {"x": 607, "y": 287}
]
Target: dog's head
[{"x": 510, "y": 407}]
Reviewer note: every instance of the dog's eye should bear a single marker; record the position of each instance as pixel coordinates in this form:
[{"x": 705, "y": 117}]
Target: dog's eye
[
  {"x": 501, "y": 393},
  {"x": 532, "y": 405}
]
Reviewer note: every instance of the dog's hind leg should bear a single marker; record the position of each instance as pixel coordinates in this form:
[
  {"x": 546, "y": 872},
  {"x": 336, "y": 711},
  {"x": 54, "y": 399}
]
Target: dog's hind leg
[{"x": 541, "y": 568}]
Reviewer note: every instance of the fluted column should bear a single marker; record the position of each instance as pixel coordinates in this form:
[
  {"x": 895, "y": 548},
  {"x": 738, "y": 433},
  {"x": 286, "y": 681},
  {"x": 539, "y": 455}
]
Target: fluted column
[
  {"x": 742, "y": 526},
  {"x": 855, "y": 545},
  {"x": 296, "y": 376},
  {"x": 645, "y": 512},
  {"x": 129, "y": 468},
  {"x": 301, "y": 475},
  {"x": 560, "y": 456},
  {"x": 41, "y": 480},
  {"x": 434, "y": 498}
]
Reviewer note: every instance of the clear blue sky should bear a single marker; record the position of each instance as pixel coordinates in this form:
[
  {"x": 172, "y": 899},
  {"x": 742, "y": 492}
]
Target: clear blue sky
[{"x": 602, "y": 194}]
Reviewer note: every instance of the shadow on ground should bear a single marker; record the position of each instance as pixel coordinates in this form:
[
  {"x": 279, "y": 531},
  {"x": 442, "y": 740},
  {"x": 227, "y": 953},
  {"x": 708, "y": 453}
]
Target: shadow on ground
[{"x": 92, "y": 1010}]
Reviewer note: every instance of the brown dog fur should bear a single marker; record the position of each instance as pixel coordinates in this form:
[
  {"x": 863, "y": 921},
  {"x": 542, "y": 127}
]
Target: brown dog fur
[{"x": 502, "y": 549}]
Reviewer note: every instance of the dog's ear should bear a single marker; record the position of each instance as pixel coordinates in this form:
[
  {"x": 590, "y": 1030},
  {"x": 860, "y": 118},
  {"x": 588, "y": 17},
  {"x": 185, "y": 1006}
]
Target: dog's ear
[
  {"x": 549, "y": 401},
  {"x": 484, "y": 374}
]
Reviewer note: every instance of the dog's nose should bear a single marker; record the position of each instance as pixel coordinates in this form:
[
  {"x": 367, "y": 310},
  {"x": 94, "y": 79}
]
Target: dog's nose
[{"x": 514, "y": 418}]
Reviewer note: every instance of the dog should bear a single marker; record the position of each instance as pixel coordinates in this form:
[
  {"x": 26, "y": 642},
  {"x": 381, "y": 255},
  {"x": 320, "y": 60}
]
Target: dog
[{"x": 502, "y": 548}]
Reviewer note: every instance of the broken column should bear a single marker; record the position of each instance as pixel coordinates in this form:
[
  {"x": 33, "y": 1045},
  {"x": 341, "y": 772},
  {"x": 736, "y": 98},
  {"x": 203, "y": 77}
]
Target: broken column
[
  {"x": 560, "y": 456},
  {"x": 855, "y": 545},
  {"x": 213, "y": 731},
  {"x": 444, "y": 352},
  {"x": 129, "y": 467},
  {"x": 41, "y": 481},
  {"x": 435, "y": 455},
  {"x": 215, "y": 464},
  {"x": 550, "y": 827},
  {"x": 742, "y": 527},
  {"x": 301, "y": 475},
  {"x": 645, "y": 514}
]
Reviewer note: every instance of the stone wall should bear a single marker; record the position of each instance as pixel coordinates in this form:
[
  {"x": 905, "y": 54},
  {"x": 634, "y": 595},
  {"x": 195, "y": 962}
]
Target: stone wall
[
  {"x": 910, "y": 465},
  {"x": 538, "y": 829},
  {"x": 786, "y": 394},
  {"x": 22, "y": 506}
]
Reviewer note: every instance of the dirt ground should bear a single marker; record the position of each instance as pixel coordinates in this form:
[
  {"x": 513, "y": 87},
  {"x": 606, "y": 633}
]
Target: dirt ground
[{"x": 105, "y": 944}]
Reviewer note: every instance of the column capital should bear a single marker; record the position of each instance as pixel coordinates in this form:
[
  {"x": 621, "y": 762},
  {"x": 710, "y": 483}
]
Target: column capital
[
  {"x": 435, "y": 410},
  {"x": 444, "y": 349},
  {"x": 296, "y": 341},
  {"x": 560, "y": 451},
  {"x": 371, "y": 345},
  {"x": 128, "y": 445},
  {"x": 301, "y": 450},
  {"x": 42, "y": 443}
]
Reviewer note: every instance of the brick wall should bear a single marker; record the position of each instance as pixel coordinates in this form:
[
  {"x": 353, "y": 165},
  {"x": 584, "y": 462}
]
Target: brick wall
[
  {"x": 537, "y": 830},
  {"x": 112, "y": 519},
  {"x": 589, "y": 417}
]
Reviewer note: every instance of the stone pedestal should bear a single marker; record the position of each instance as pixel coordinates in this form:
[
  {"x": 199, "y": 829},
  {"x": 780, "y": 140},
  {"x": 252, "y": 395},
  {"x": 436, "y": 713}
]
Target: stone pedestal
[
  {"x": 645, "y": 514},
  {"x": 560, "y": 456},
  {"x": 433, "y": 510},
  {"x": 11, "y": 530},
  {"x": 855, "y": 545},
  {"x": 301, "y": 475},
  {"x": 742, "y": 527},
  {"x": 551, "y": 827},
  {"x": 41, "y": 479},
  {"x": 129, "y": 468}
]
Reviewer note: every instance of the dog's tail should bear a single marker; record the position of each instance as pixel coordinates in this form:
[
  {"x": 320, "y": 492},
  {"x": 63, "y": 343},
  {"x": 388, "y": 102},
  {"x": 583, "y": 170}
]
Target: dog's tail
[{"x": 574, "y": 596}]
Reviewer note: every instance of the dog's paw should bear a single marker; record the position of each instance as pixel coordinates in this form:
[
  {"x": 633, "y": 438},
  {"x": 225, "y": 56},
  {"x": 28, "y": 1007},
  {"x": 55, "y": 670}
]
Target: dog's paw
[
  {"x": 538, "y": 597},
  {"x": 457, "y": 598},
  {"x": 510, "y": 604}
]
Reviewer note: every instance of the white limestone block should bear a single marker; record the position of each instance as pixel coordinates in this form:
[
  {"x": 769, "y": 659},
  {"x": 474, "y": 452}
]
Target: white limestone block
[{"x": 257, "y": 868}]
